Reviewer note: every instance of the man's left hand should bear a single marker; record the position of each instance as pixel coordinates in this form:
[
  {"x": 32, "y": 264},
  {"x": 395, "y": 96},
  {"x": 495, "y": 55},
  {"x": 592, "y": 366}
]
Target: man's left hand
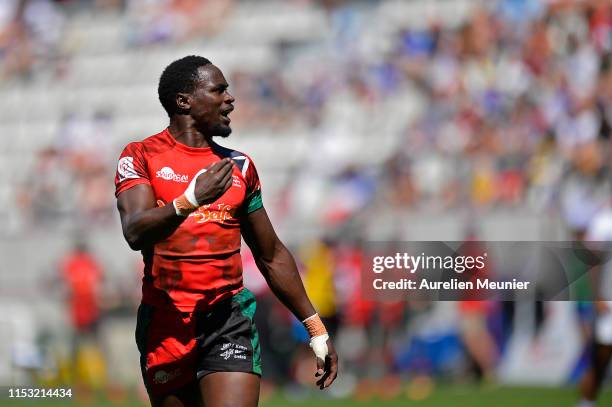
[{"x": 327, "y": 370}]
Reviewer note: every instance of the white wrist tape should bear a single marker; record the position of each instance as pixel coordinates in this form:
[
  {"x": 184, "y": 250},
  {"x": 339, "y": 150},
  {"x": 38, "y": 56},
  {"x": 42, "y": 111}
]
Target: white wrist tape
[
  {"x": 319, "y": 346},
  {"x": 190, "y": 191},
  {"x": 187, "y": 202}
]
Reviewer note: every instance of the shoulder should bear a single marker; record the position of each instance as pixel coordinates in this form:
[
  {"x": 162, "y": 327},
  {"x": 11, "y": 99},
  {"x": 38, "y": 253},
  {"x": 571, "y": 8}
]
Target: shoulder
[
  {"x": 150, "y": 146},
  {"x": 158, "y": 143}
]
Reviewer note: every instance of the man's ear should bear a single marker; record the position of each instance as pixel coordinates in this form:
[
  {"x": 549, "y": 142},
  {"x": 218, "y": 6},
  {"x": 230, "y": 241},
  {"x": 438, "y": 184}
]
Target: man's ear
[{"x": 183, "y": 102}]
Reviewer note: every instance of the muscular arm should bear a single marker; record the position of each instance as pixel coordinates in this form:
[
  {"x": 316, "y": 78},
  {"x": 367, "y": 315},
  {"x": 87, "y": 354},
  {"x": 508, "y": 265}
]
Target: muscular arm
[
  {"x": 276, "y": 264},
  {"x": 278, "y": 267},
  {"x": 143, "y": 223}
]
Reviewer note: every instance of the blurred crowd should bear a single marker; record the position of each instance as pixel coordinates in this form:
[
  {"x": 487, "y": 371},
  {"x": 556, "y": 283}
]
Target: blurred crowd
[
  {"x": 509, "y": 109},
  {"x": 516, "y": 113}
]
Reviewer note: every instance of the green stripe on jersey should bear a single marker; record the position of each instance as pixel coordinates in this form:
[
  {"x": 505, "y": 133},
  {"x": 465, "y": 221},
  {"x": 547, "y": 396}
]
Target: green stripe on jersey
[{"x": 254, "y": 201}]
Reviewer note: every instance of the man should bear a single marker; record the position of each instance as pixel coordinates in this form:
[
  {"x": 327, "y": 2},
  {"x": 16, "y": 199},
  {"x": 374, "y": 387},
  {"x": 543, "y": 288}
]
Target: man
[{"x": 184, "y": 202}]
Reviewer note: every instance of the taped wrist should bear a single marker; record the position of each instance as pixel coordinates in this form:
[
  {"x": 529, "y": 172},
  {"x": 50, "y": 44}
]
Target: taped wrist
[
  {"x": 182, "y": 206},
  {"x": 314, "y": 326},
  {"x": 187, "y": 202}
]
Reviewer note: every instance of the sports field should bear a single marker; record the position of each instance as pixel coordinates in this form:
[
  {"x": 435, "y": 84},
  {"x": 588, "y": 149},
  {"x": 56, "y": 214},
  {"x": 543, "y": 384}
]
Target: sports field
[{"x": 443, "y": 397}]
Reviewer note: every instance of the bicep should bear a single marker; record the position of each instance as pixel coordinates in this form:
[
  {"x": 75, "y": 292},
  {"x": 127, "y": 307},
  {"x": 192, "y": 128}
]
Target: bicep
[
  {"x": 259, "y": 234},
  {"x": 134, "y": 200}
]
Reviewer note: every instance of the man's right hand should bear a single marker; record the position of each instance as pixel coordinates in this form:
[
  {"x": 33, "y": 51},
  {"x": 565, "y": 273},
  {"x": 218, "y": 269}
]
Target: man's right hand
[
  {"x": 213, "y": 181},
  {"x": 205, "y": 187}
]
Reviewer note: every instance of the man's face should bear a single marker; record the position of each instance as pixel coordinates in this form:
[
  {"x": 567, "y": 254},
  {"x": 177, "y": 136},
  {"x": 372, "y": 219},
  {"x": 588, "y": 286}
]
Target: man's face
[{"x": 211, "y": 103}]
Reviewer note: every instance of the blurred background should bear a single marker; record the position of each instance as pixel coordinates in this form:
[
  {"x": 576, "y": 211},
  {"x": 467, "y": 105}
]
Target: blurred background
[{"x": 368, "y": 121}]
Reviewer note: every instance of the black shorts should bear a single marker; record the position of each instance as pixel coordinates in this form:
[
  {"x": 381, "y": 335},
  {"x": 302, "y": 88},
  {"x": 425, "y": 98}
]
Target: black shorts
[{"x": 177, "y": 348}]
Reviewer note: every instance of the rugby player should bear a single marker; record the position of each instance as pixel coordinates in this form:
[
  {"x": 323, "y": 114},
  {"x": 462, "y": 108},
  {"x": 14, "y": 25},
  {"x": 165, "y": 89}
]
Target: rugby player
[{"x": 185, "y": 202}]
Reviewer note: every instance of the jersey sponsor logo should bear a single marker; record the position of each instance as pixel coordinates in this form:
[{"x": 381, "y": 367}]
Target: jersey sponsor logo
[
  {"x": 233, "y": 350},
  {"x": 168, "y": 174},
  {"x": 162, "y": 377},
  {"x": 213, "y": 213},
  {"x": 125, "y": 168}
]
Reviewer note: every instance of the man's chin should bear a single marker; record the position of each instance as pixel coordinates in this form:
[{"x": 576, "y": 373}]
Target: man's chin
[{"x": 222, "y": 131}]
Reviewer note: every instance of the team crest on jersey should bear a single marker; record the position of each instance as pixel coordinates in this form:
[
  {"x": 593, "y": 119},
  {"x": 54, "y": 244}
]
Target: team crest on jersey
[
  {"x": 168, "y": 174},
  {"x": 125, "y": 168}
]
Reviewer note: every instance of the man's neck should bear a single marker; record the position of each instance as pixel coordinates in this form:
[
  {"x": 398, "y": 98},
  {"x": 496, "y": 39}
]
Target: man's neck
[{"x": 184, "y": 131}]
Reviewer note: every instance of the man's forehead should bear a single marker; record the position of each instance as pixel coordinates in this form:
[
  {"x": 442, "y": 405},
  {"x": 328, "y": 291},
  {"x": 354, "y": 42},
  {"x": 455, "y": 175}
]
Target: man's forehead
[{"x": 210, "y": 75}]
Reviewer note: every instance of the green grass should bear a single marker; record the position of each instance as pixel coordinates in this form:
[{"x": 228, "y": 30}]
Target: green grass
[{"x": 455, "y": 396}]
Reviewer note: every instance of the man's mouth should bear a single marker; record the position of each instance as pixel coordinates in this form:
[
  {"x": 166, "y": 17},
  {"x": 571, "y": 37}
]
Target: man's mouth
[{"x": 225, "y": 113}]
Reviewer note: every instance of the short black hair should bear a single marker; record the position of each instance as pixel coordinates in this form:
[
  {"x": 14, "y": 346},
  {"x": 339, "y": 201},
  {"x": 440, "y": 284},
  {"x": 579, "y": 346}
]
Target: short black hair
[{"x": 178, "y": 77}]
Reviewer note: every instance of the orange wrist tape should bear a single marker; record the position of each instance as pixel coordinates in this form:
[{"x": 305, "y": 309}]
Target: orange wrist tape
[
  {"x": 314, "y": 326},
  {"x": 182, "y": 206}
]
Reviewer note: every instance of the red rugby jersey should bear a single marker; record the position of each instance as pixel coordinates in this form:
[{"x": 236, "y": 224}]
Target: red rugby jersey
[{"x": 199, "y": 264}]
